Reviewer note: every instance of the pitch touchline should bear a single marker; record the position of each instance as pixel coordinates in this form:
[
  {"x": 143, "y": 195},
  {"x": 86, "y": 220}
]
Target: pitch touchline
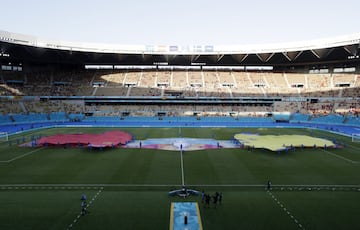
[
  {"x": 341, "y": 157},
  {"x": 174, "y": 185},
  {"x": 21, "y": 156},
  {"x": 275, "y": 185}
]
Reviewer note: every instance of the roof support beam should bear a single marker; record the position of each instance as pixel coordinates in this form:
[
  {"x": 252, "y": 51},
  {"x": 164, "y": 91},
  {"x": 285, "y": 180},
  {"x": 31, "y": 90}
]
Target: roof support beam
[
  {"x": 194, "y": 58},
  {"x": 292, "y": 56},
  {"x": 240, "y": 57},
  {"x": 322, "y": 53},
  {"x": 352, "y": 49},
  {"x": 265, "y": 57},
  {"x": 219, "y": 57}
]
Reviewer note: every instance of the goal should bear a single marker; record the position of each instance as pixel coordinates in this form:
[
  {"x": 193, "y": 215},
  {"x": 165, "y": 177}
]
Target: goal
[
  {"x": 355, "y": 137},
  {"x": 4, "y": 136}
]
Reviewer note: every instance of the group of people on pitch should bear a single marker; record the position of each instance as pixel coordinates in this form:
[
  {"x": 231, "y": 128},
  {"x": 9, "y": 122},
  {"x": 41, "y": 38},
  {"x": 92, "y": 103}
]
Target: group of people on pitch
[{"x": 216, "y": 198}]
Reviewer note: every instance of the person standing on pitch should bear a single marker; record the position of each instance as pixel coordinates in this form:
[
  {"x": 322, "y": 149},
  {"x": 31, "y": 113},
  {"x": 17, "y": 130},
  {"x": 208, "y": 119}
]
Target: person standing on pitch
[{"x": 202, "y": 197}]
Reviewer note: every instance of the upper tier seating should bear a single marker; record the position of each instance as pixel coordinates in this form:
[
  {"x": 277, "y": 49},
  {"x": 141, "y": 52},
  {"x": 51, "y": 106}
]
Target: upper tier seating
[{"x": 209, "y": 83}]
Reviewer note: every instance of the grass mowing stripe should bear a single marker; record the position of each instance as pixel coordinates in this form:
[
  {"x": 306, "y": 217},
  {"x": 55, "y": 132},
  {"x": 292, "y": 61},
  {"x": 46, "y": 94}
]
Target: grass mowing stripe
[{"x": 341, "y": 157}]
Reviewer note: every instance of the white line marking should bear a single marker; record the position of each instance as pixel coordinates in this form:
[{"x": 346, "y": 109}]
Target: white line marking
[
  {"x": 286, "y": 211},
  {"x": 182, "y": 169},
  {"x": 354, "y": 147},
  {"x": 77, "y": 218},
  {"x": 341, "y": 157},
  {"x": 21, "y": 156},
  {"x": 95, "y": 186}
]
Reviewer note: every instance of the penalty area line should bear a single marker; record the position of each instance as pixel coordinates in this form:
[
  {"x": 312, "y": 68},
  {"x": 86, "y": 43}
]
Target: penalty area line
[
  {"x": 341, "y": 157},
  {"x": 21, "y": 156}
]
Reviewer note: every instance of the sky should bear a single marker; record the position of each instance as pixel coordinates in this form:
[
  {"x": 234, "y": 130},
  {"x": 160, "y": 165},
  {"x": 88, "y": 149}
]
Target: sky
[{"x": 181, "y": 22}]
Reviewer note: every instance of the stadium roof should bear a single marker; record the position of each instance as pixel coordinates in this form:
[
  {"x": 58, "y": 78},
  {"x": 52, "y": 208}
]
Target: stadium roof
[
  {"x": 22, "y": 39},
  {"x": 331, "y": 50}
]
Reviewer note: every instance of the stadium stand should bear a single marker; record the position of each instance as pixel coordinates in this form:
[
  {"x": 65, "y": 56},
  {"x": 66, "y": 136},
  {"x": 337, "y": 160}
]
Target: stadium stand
[
  {"x": 331, "y": 119},
  {"x": 220, "y": 88},
  {"x": 351, "y": 120}
]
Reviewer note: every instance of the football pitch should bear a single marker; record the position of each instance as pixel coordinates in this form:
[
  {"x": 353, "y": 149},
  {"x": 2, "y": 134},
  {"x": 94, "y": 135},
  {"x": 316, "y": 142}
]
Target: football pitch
[{"x": 127, "y": 188}]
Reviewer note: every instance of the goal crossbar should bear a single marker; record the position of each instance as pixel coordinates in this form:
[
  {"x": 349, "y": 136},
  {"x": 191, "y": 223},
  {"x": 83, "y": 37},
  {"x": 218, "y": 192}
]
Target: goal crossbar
[
  {"x": 4, "y": 136},
  {"x": 355, "y": 137}
]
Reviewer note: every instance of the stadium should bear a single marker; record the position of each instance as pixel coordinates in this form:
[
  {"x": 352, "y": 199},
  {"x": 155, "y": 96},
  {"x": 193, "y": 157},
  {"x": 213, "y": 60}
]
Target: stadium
[{"x": 274, "y": 129}]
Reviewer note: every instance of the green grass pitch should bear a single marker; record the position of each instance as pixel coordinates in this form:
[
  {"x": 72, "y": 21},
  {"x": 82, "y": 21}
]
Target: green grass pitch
[{"x": 128, "y": 188}]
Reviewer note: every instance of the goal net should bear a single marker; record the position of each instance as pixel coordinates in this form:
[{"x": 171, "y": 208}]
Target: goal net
[
  {"x": 4, "y": 136},
  {"x": 355, "y": 137}
]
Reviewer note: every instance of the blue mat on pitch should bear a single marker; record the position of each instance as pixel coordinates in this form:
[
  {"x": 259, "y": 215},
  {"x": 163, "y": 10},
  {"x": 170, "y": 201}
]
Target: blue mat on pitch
[{"x": 177, "y": 216}]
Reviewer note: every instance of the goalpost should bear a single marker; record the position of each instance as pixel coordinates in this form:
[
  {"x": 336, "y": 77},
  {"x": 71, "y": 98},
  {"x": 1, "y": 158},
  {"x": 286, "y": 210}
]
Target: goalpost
[
  {"x": 4, "y": 136},
  {"x": 355, "y": 137}
]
